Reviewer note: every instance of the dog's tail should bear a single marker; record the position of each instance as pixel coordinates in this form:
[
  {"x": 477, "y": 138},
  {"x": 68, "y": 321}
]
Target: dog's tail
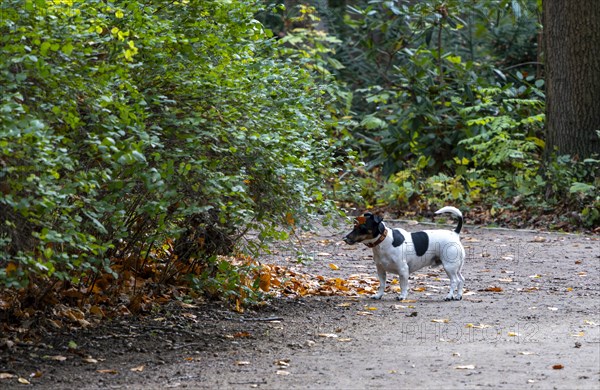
[{"x": 456, "y": 212}]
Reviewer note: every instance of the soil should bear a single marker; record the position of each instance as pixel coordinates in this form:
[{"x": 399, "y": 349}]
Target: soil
[{"x": 530, "y": 319}]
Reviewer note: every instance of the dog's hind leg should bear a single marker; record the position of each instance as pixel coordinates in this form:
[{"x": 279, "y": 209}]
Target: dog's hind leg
[
  {"x": 455, "y": 283},
  {"x": 461, "y": 283}
]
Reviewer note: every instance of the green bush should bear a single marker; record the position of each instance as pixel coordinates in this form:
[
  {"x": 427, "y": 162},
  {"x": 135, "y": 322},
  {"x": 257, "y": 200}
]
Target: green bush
[{"x": 126, "y": 125}]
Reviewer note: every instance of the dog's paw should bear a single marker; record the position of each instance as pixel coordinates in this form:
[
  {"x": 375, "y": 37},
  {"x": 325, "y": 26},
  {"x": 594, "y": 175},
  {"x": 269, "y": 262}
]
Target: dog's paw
[
  {"x": 449, "y": 299},
  {"x": 376, "y": 296},
  {"x": 399, "y": 298}
]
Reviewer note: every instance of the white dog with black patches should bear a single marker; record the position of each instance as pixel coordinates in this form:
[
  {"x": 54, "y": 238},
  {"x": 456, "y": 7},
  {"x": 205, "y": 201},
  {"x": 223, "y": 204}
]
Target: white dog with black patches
[{"x": 400, "y": 252}]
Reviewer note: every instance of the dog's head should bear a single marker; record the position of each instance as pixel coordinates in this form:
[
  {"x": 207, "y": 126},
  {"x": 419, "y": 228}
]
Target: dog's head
[{"x": 366, "y": 227}]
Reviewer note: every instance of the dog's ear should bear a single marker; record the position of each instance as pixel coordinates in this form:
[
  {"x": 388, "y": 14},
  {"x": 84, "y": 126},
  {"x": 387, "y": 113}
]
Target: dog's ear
[
  {"x": 367, "y": 215},
  {"x": 377, "y": 219}
]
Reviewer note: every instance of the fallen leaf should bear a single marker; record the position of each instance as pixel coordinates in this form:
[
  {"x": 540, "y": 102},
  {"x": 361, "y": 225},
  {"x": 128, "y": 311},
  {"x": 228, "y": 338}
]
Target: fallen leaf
[
  {"x": 580, "y": 334},
  {"x": 552, "y": 308},
  {"x": 536, "y": 276},
  {"x": 558, "y": 367},
  {"x": 242, "y": 335},
  {"x": 441, "y": 321},
  {"x": 371, "y": 308},
  {"x": 96, "y": 311},
  {"x": 505, "y": 280},
  {"x": 345, "y": 304},
  {"x": 23, "y": 381},
  {"x": 6, "y": 375},
  {"x": 493, "y": 289},
  {"x": 186, "y": 305},
  {"x": 526, "y": 353},
  {"x": 333, "y": 267},
  {"x": 58, "y": 358},
  {"x": 456, "y": 354},
  {"x": 344, "y": 340},
  {"x": 283, "y": 362},
  {"x": 588, "y": 322},
  {"x": 480, "y": 326},
  {"x": 514, "y": 334},
  {"x": 37, "y": 374},
  {"x": 538, "y": 239},
  {"x": 137, "y": 369},
  {"x": 90, "y": 360},
  {"x": 242, "y": 363},
  {"x": 283, "y": 372},
  {"x": 108, "y": 371},
  {"x": 466, "y": 367},
  {"x": 328, "y": 335}
]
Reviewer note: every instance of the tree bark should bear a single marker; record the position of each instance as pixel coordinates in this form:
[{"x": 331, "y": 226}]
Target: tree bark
[{"x": 572, "y": 53}]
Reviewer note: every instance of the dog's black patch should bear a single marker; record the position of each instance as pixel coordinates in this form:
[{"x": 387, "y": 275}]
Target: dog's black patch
[
  {"x": 398, "y": 237},
  {"x": 421, "y": 242}
]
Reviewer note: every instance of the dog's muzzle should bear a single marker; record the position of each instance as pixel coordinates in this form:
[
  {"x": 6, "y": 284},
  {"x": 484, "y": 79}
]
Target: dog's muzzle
[{"x": 349, "y": 241}]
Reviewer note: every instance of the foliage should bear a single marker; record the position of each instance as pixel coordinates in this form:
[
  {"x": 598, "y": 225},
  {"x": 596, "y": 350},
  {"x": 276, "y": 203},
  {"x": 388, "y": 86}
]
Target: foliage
[
  {"x": 127, "y": 125},
  {"x": 448, "y": 106}
]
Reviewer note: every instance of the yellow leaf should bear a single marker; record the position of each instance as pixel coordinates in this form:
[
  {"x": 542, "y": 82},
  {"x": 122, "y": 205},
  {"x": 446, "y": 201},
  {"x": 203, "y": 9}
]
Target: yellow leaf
[
  {"x": 328, "y": 335},
  {"x": 580, "y": 334},
  {"x": 119, "y": 14},
  {"x": 108, "y": 371},
  {"x": 58, "y": 358},
  {"x": 10, "y": 268},
  {"x": 333, "y": 267},
  {"x": 480, "y": 326},
  {"x": 514, "y": 334},
  {"x": 466, "y": 367},
  {"x": 371, "y": 308}
]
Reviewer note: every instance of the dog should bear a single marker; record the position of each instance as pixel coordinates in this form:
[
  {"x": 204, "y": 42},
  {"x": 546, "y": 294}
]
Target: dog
[{"x": 400, "y": 252}]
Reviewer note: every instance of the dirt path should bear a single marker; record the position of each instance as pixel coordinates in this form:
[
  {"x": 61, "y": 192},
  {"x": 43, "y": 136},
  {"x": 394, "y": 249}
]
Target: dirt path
[{"x": 530, "y": 319}]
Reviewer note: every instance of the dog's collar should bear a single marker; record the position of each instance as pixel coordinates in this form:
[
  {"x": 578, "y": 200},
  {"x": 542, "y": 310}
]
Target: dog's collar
[{"x": 382, "y": 237}]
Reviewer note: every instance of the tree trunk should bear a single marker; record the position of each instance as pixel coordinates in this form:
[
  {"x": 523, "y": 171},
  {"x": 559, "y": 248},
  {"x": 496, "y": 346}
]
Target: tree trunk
[{"x": 572, "y": 52}]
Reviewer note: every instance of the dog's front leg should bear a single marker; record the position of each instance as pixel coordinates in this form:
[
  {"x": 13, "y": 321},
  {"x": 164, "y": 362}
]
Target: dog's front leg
[
  {"x": 381, "y": 274},
  {"x": 403, "y": 276}
]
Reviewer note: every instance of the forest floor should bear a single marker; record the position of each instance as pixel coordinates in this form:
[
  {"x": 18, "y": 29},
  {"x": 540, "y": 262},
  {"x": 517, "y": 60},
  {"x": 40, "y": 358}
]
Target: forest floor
[{"x": 530, "y": 319}]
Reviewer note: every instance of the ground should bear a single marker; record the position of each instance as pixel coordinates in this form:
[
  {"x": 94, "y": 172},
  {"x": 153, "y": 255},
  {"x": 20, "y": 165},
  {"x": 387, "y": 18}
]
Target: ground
[{"x": 530, "y": 319}]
